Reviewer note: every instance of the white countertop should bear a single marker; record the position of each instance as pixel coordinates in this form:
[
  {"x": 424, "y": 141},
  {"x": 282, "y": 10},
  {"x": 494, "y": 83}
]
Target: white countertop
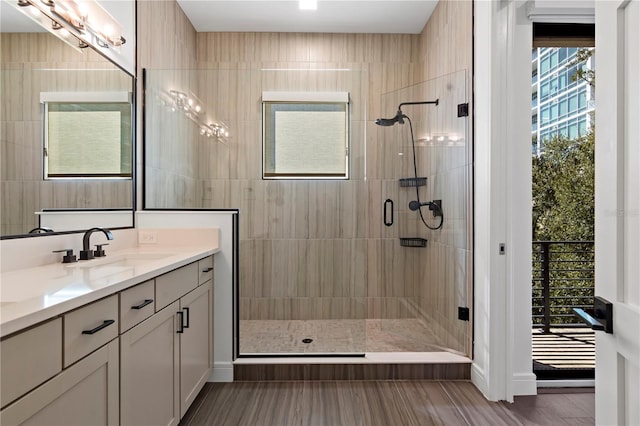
[{"x": 29, "y": 296}]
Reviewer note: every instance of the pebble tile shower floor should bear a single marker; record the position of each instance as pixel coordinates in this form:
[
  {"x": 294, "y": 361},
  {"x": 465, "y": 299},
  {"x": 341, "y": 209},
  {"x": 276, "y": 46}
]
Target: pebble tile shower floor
[{"x": 335, "y": 336}]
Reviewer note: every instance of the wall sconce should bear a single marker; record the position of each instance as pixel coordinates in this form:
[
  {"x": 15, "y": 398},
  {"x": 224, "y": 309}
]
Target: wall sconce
[
  {"x": 83, "y": 21},
  {"x": 191, "y": 107}
]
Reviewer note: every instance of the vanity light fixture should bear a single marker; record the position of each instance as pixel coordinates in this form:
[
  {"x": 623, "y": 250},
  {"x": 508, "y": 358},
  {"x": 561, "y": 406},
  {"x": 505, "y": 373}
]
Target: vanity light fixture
[
  {"x": 192, "y": 108},
  {"x": 449, "y": 139},
  {"x": 85, "y": 21},
  {"x": 190, "y": 105},
  {"x": 51, "y": 25},
  {"x": 308, "y": 4},
  {"x": 218, "y": 131}
]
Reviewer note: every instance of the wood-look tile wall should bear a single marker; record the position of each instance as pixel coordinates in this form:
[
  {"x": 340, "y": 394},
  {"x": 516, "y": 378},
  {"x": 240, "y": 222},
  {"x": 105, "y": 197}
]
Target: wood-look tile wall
[
  {"x": 167, "y": 49},
  {"x": 447, "y": 267},
  {"x": 29, "y": 64},
  {"x": 319, "y": 249}
]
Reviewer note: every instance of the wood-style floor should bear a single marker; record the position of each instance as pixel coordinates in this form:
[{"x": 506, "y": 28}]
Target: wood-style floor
[{"x": 384, "y": 403}]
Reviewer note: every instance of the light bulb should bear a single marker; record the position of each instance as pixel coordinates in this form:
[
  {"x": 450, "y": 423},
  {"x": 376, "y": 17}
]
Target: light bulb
[
  {"x": 108, "y": 30},
  {"x": 83, "y": 10}
]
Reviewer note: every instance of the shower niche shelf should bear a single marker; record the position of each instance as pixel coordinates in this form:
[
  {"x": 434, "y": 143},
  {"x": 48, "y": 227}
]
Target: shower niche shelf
[
  {"x": 413, "y": 242},
  {"x": 413, "y": 182}
]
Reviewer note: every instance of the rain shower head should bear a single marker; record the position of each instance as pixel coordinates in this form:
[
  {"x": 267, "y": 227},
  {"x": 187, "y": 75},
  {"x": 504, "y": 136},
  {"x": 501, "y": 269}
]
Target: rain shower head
[{"x": 399, "y": 118}]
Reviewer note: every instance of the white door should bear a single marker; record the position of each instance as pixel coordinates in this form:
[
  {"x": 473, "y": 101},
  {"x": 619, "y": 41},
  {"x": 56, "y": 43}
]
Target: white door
[{"x": 617, "y": 203}]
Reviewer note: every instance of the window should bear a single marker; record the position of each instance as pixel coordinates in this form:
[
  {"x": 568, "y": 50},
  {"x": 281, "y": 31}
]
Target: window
[
  {"x": 87, "y": 135},
  {"x": 305, "y": 135},
  {"x": 544, "y": 66}
]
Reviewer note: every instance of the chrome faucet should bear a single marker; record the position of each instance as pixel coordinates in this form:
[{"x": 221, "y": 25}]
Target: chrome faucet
[{"x": 86, "y": 252}]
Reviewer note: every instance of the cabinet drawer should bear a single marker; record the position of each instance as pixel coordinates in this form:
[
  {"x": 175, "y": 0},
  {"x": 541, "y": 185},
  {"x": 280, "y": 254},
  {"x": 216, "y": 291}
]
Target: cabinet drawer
[
  {"x": 136, "y": 304},
  {"x": 88, "y": 328},
  {"x": 173, "y": 285},
  {"x": 29, "y": 358},
  {"x": 205, "y": 270}
]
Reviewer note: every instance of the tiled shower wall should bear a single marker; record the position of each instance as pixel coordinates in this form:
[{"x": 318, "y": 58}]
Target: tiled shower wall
[
  {"x": 309, "y": 249},
  {"x": 29, "y": 66},
  {"x": 319, "y": 249},
  {"x": 446, "y": 44},
  {"x": 166, "y": 41}
]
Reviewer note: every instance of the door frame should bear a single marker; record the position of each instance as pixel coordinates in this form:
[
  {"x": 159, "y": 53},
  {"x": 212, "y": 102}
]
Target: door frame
[{"x": 502, "y": 365}]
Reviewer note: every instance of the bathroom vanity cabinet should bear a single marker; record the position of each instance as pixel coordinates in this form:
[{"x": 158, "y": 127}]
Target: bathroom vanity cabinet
[
  {"x": 167, "y": 358},
  {"x": 139, "y": 356},
  {"x": 86, "y": 389}
]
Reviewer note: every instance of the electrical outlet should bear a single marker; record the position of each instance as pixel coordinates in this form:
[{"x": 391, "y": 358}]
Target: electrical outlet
[{"x": 147, "y": 237}]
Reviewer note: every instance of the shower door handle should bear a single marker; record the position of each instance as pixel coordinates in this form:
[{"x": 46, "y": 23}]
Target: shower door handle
[{"x": 388, "y": 212}]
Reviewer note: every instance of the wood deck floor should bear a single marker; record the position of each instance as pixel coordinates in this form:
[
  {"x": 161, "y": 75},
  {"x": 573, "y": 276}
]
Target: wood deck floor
[{"x": 566, "y": 348}]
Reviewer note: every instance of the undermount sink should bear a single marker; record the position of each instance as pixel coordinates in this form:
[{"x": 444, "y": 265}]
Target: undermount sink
[{"x": 127, "y": 260}]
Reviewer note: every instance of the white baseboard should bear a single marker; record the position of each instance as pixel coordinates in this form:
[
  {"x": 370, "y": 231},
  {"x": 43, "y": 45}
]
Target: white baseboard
[
  {"x": 524, "y": 384},
  {"x": 577, "y": 383},
  {"x": 222, "y": 373},
  {"x": 479, "y": 379}
]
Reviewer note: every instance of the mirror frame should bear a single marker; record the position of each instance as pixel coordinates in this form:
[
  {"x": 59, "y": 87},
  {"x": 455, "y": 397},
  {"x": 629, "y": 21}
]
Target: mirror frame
[{"x": 134, "y": 143}]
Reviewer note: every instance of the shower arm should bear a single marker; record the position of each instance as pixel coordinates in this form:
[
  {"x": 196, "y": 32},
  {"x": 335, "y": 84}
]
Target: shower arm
[{"x": 418, "y": 103}]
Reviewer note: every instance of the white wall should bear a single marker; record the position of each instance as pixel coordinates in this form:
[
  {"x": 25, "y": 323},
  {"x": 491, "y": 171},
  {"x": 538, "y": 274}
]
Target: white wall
[{"x": 223, "y": 322}]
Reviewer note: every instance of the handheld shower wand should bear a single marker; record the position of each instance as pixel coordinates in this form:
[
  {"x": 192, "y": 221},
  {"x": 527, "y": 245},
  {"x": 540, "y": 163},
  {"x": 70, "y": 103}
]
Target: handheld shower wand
[
  {"x": 436, "y": 205},
  {"x": 399, "y": 118}
]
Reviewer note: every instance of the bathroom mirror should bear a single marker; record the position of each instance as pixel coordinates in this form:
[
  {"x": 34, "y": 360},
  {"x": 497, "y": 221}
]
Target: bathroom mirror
[{"x": 68, "y": 134}]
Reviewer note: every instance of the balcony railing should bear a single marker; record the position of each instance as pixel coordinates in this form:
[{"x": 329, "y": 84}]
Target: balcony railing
[{"x": 563, "y": 278}]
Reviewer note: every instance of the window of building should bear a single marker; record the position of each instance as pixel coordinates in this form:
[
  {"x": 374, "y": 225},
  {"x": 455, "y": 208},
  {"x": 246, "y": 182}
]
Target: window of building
[
  {"x": 87, "y": 135},
  {"x": 305, "y": 135}
]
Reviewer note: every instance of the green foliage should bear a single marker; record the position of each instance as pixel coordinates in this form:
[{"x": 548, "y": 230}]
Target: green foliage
[
  {"x": 583, "y": 73},
  {"x": 563, "y": 210},
  {"x": 563, "y": 190}
]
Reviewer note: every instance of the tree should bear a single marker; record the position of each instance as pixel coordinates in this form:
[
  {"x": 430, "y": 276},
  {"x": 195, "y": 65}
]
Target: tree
[
  {"x": 583, "y": 73},
  {"x": 563, "y": 190}
]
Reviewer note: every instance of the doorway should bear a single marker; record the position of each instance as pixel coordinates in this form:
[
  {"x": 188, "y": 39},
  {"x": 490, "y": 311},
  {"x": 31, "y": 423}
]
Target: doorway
[{"x": 562, "y": 142}]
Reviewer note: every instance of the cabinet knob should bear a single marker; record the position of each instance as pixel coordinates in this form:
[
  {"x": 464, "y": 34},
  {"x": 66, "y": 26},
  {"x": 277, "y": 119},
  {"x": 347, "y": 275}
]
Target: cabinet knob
[{"x": 209, "y": 269}]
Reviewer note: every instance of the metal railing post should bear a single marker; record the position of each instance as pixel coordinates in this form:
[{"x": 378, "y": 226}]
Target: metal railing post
[{"x": 545, "y": 286}]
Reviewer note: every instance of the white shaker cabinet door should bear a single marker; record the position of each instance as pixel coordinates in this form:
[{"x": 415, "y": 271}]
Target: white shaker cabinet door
[
  {"x": 84, "y": 394},
  {"x": 150, "y": 371},
  {"x": 195, "y": 343}
]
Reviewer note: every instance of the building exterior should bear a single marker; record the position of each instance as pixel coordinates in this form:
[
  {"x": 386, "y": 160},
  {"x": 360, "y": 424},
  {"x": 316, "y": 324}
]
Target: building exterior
[{"x": 560, "y": 104}]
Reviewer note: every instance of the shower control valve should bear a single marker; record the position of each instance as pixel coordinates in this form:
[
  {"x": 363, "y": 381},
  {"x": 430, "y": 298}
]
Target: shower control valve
[{"x": 435, "y": 206}]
